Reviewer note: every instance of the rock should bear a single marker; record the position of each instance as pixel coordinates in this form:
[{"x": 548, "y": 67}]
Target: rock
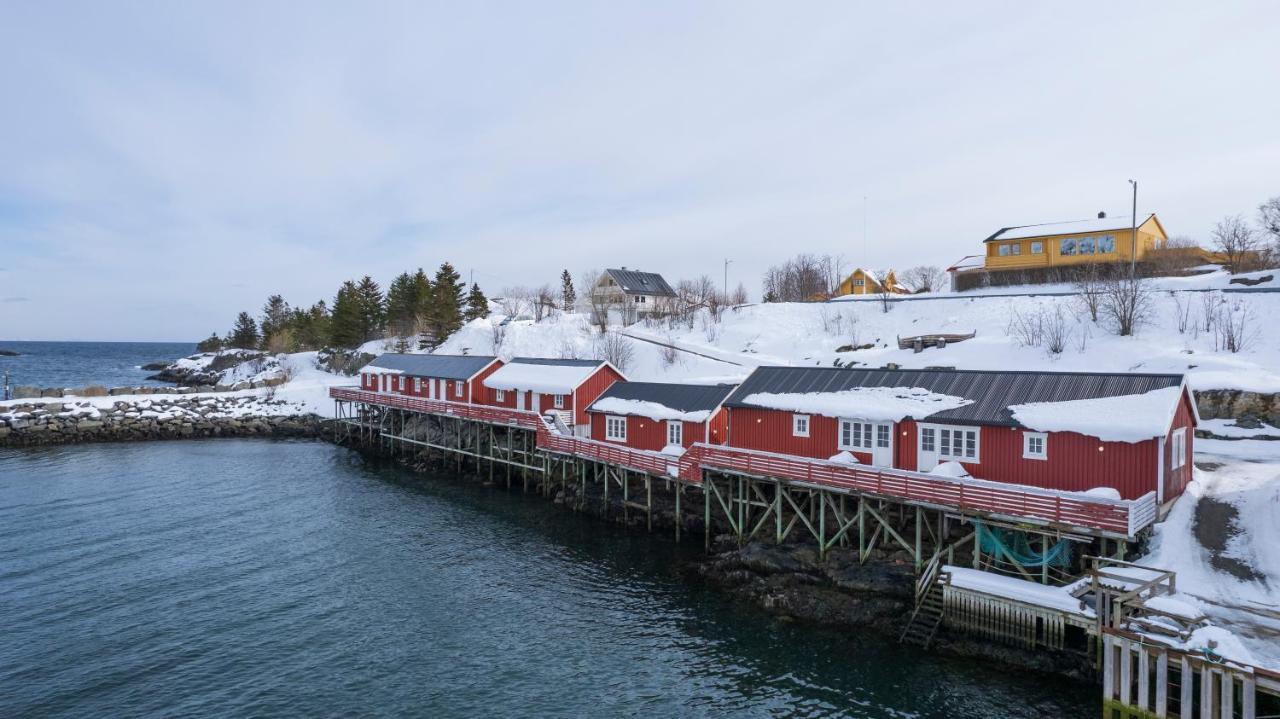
[
  {"x": 25, "y": 392},
  {"x": 155, "y": 366},
  {"x": 9, "y": 353},
  {"x": 52, "y": 392}
]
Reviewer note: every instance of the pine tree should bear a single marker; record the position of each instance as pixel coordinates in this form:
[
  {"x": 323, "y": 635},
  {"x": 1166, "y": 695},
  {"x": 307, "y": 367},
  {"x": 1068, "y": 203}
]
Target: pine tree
[
  {"x": 275, "y": 317},
  {"x": 245, "y": 334},
  {"x": 477, "y": 304},
  {"x": 373, "y": 309},
  {"x": 345, "y": 324},
  {"x": 425, "y": 295},
  {"x": 402, "y": 305},
  {"x": 568, "y": 297},
  {"x": 212, "y": 343},
  {"x": 446, "y": 314}
]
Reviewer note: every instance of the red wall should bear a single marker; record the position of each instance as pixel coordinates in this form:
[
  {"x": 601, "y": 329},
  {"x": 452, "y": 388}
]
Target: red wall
[
  {"x": 477, "y": 392},
  {"x": 646, "y": 433},
  {"x": 1176, "y": 480},
  {"x": 1075, "y": 462},
  {"x": 471, "y": 388},
  {"x": 589, "y": 390}
]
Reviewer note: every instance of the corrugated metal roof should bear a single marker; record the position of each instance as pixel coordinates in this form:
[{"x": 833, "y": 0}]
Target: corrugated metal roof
[
  {"x": 992, "y": 393},
  {"x": 648, "y": 283},
  {"x": 558, "y": 362},
  {"x": 441, "y": 366},
  {"x": 1048, "y": 229},
  {"x": 680, "y": 397}
]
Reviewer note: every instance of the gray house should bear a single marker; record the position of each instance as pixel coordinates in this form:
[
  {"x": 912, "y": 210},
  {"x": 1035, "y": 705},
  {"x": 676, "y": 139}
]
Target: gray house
[{"x": 631, "y": 293}]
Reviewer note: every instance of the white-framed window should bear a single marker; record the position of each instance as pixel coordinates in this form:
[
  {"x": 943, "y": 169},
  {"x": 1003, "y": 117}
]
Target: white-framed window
[
  {"x": 558, "y": 400},
  {"x": 457, "y": 388},
  {"x": 675, "y": 432},
  {"x": 1037, "y": 248},
  {"x": 1067, "y": 246},
  {"x": 856, "y": 435},
  {"x": 1179, "y": 452},
  {"x": 859, "y": 282},
  {"x": 499, "y": 395},
  {"x": 401, "y": 383},
  {"x": 1035, "y": 445},
  {"x": 417, "y": 385},
  {"x": 960, "y": 444},
  {"x": 1106, "y": 244},
  {"x": 615, "y": 428},
  {"x": 882, "y": 435},
  {"x": 800, "y": 425}
]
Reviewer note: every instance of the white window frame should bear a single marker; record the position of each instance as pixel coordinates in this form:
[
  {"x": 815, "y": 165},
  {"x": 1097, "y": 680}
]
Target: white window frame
[
  {"x": 950, "y": 430},
  {"x": 1037, "y": 248},
  {"x": 457, "y": 388},
  {"x": 615, "y": 428},
  {"x": 1178, "y": 454},
  {"x": 863, "y": 438},
  {"x": 417, "y": 385},
  {"x": 932, "y": 433},
  {"x": 675, "y": 432},
  {"x": 558, "y": 401},
  {"x": 401, "y": 383},
  {"x": 800, "y": 425},
  {"x": 1028, "y": 438},
  {"x": 499, "y": 395}
]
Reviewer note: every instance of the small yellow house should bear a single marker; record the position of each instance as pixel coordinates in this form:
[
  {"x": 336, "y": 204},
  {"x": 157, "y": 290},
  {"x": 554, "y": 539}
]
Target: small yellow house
[
  {"x": 1059, "y": 244},
  {"x": 869, "y": 282}
]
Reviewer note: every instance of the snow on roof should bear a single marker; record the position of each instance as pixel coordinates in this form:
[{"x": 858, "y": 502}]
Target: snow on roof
[
  {"x": 878, "y": 404},
  {"x": 1057, "y": 598},
  {"x": 428, "y": 365},
  {"x": 542, "y": 376},
  {"x": 652, "y": 410},
  {"x": 1098, "y": 224},
  {"x": 1123, "y": 418}
]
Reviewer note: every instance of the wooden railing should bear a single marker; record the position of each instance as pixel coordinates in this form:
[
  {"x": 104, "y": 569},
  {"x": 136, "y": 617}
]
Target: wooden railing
[{"x": 1019, "y": 502}]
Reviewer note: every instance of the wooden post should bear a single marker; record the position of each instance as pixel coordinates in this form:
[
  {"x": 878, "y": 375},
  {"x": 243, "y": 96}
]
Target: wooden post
[
  {"x": 1126, "y": 671},
  {"x": 1144, "y": 683},
  {"x": 706, "y": 516},
  {"x": 1206, "y": 692},
  {"x": 648, "y": 502},
  {"x": 679, "y": 517},
  {"x": 1162, "y": 685},
  {"x": 1108, "y": 667},
  {"x": 1248, "y": 699},
  {"x": 1186, "y": 690},
  {"x": 919, "y": 529}
]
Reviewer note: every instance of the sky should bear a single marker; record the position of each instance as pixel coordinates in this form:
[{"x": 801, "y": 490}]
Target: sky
[{"x": 164, "y": 166}]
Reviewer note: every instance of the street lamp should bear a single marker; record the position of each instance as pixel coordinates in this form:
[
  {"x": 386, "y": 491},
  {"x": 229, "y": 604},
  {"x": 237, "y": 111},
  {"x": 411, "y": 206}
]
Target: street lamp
[
  {"x": 727, "y": 262},
  {"x": 1133, "y": 237}
]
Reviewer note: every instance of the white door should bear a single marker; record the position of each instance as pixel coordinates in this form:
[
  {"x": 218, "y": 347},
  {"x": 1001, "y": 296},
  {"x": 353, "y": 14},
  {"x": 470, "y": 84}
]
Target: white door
[
  {"x": 431, "y": 389},
  {"x": 440, "y": 390},
  {"x": 927, "y": 449},
  {"x": 520, "y": 399},
  {"x": 882, "y": 444},
  {"x": 535, "y": 402}
]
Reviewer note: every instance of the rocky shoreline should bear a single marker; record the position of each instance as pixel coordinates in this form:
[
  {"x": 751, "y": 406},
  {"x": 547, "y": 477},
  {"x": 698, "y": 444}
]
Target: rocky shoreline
[{"x": 27, "y": 424}]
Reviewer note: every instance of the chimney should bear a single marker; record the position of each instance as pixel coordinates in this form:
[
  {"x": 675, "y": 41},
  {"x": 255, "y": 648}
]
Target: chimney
[{"x": 1102, "y": 215}]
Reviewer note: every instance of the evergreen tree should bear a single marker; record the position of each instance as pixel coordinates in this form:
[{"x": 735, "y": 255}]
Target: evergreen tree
[
  {"x": 245, "y": 334},
  {"x": 402, "y": 305},
  {"x": 568, "y": 297},
  {"x": 477, "y": 304},
  {"x": 373, "y": 309},
  {"x": 314, "y": 332},
  {"x": 212, "y": 343},
  {"x": 345, "y": 324},
  {"x": 446, "y": 313},
  {"x": 425, "y": 298},
  {"x": 275, "y": 317}
]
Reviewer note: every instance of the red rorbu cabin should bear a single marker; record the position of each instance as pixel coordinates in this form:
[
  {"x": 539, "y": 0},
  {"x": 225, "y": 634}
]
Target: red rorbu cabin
[
  {"x": 454, "y": 378},
  {"x": 660, "y": 417},
  {"x": 563, "y": 386},
  {"x": 1129, "y": 434}
]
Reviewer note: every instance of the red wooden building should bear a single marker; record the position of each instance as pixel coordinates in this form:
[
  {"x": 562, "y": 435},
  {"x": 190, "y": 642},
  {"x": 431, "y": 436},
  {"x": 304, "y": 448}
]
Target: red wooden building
[
  {"x": 565, "y": 386},
  {"x": 1059, "y": 430},
  {"x": 454, "y": 378},
  {"x": 657, "y": 415}
]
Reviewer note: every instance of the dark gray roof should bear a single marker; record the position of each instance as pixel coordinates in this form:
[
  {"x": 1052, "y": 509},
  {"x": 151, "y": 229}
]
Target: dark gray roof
[
  {"x": 645, "y": 283},
  {"x": 992, "y": 392},
  {"x": 558, "y": 362},
  {"x": 441, "y": 366},
  {"x": 680, "y": 397}
]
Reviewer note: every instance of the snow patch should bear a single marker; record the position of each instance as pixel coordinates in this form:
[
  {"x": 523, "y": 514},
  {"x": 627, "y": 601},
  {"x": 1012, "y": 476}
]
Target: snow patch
[
  {"x": 845, "y": 457},
  {"x": 652, "y": 410},
  {"x": 877, "y": 404},
  {"x": 1128, "y": 418},
  {"x": 1057, "y": 598},
  {"x": 952, "y": 469},
  {"x": 540, "y": 378}
]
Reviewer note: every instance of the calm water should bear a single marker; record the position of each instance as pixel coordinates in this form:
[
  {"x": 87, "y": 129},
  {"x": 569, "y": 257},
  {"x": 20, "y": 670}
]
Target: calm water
[
  {"x": 260, "y": 578},
  {"x": 76, "y": 364}
]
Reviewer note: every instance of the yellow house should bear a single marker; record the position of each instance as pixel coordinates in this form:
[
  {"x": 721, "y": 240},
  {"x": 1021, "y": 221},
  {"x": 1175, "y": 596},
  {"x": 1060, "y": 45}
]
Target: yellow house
[
  {"x": 1059, "y": 244},
  {"x": 869, "y": 282}
]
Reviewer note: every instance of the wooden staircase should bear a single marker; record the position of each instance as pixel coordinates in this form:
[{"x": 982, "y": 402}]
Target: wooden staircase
[{"x": 925, "y": 621}]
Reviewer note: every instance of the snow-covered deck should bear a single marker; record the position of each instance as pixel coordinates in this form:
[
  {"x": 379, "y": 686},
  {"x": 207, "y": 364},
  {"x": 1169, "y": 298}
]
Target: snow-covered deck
[
  {"x": 479, "y": 412},
  {"x": 1019, "y": 590}
]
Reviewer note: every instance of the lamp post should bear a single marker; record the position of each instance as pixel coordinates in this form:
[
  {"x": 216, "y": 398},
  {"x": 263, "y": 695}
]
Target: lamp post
[
  {"x": 1133, "y": 237},
  {"x": 727, "y": 262}
]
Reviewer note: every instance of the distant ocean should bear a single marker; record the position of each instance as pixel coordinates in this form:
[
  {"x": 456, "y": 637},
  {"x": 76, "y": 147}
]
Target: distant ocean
[{"x": 76, "y": 364}]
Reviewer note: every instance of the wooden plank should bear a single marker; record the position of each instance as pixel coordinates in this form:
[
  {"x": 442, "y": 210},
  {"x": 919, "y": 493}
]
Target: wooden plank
[
  {"x": 1162, "y": 685},
  {"x": 1227, "y": 690},
  {"x": 1186, "y": 708},
  {"x": 1144, "y": 672},
  {"x": 1248, "y": 699},
  {"x": 1108, "y": 667},
  {"x": 1126, "y": 671}
]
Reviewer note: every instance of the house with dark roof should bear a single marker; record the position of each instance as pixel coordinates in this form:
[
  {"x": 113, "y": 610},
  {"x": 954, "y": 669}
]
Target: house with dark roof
[
  {"x": 1130, "y": 434},
  {"x": 659, "y": 415},
  {"x": 563, "y": 386},
  {"x": 1102, "y": 239},
  {"x": 631, "y": 293},
  {"x": 453, "y": 378}
]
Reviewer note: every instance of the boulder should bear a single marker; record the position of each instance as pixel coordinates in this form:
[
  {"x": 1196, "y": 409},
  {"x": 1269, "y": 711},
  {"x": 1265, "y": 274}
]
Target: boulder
[
  {"x": 52, "y": 392},
  {"x": 25, "y": 392}
]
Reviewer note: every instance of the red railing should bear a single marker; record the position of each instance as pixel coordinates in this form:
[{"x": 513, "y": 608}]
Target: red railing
[
  {"x": 483, "y": 413},
  {"x": 1019, "y": 502}
]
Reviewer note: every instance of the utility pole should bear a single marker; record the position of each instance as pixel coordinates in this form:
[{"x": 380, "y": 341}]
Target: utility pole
[
  {"x": 1133, "y": 237},
  {"x": 727, "y": 262}
]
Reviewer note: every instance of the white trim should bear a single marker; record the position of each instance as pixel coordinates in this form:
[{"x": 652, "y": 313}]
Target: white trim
[
  {"x": 457, "y": 388},
  {"x": 678, "y": 426},
  {"x": 612, "y": 422},
  {"x": 417, "y": 385},
  {"x": 863, "y": 439},
  {"x": 1028, "y": 453},
  {"x": 557, "y": 401},
  {"x": 1160, "y": 471},
  {"x": 1179, "y": 453},
  {"x": 800, "y": 425},
  {"x": 952, "y": 428},
  {"x": 499, "y": 395}
]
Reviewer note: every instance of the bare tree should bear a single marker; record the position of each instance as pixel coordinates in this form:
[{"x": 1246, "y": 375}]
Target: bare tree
[
  {"x": 497, "y": 335},
  {"x": 1089, "y": 289},
  {"x": 1269, "y": 218},
  {"x": 923, "y": 278},
  {"x": 1236, "y": 240},
  {"x": 738, "y": 296},
  {"x": 884, "y": 296},
  {"x": 614, "y": 348},
  {"x": 1234, "y": 328},
  {"x": 802, "y": 278},
  {"x": 1209, "y": 302},
  {"x": 515, "y": 301},
  {"x": 599, "y": 302},
  {"x": 1182, "y": 312},
  {"x": 544, "y": 303},
  {"x": 1126, "y": 303}
]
